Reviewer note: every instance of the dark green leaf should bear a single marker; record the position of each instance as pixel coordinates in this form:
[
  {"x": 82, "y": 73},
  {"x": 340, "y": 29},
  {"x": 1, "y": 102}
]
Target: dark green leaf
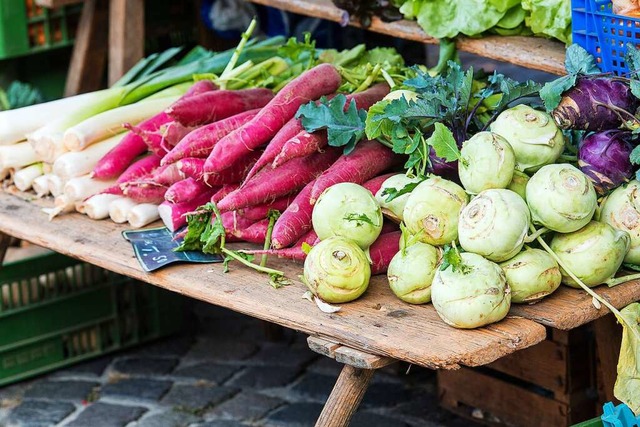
[
  {"x": 197, "y": 223},
  {"x": 634, "y": 84},
  {"x": 551, "y": 93},
  {"x": 633, "y": 267},
  {"x": 513, "y": 90},
  {"x": 345, "y": 126},
  {"x": 579, "y": 61},
  {"x": 20, "y": 95},
  {"x": 393, "y": 193},
  {"x": 632, "y": 59}
]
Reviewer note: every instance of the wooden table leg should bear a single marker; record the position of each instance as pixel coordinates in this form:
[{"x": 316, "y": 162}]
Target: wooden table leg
[
  {"x": 345, "y": 397},
  {"x": 89, "y": 50},
  {"x": 126, "y": 36},
  {"x": 608, "y": 336},
  {"x": 352, "y": 383},
  {"x": 5, "y": 241}
]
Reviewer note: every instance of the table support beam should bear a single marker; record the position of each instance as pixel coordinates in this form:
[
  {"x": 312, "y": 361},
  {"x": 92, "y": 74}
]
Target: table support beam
[{"x": 345, "y": 397}]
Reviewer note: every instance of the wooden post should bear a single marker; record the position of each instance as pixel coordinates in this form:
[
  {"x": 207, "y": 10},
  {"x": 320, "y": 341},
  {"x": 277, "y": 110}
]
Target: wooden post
[
  {"x": 89, "y": 50},
  {"x": 5, "y": 241},
  {"x": 126, "y": 36},
  {"x": 345, "y": 397},
  {"x": 608, "y": 336}
]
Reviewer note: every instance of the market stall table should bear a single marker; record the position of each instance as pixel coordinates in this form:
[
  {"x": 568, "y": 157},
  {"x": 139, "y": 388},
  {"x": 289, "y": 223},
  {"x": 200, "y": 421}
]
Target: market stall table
[{"x": 378, "y": 324}]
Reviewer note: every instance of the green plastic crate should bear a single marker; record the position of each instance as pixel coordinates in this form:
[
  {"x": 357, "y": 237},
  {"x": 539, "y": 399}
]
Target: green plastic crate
[
  {"x": 27, "y": 28},
  {"x": 56, "y": 311}
]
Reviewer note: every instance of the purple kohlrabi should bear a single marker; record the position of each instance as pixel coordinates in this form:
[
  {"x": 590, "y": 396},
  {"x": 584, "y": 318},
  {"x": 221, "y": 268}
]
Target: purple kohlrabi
[
  {"x": 441, "y": 167},
  {"x": 595, "y": 104},
  {"x": 604, "y": 158}
]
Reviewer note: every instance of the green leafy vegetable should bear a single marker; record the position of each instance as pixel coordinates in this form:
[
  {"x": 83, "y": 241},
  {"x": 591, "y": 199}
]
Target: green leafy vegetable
[
  {"x": 451, "y": 258},
  {"x": 19, "y": 95},
  {"x": 443, "y": 143},
  {"x": 549, "y": 17},
  {"x": 392, "y": 193},
  {"x": 345, "y": 126},
  {"x": 551, "y": 93}
]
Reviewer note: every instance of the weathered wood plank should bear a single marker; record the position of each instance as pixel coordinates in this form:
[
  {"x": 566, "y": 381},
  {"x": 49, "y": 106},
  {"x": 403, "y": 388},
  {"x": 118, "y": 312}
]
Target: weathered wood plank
[
  {"x": 324, "y": 347},
  {"x": 89, "y": 50},
  {"x": 360, "y": 359},
  {"x": 345, "y": 397},
  {"x": 531, "y": 52},
  {"x": 608, "y": 337},
  {"x": 378, "y": 323},
  {"x": 126, "y": 36}
]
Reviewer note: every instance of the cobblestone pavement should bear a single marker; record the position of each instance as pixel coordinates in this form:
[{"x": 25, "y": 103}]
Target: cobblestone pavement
[{"x": 226, "y": 373}]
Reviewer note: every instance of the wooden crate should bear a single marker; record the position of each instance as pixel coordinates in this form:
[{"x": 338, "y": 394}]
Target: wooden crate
[{"x": 550, "y": 384}]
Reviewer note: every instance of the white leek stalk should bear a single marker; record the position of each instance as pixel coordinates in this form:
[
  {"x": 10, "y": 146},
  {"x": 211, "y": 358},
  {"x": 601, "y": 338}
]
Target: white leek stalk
[
  {"x": 61, "y": 204},
  {"x": 110, "y": 122},
  {"x": 23, "y": 179},
  {"x": 119, "y": 209},
  {"x": 56, "y": 185},
  {"x": 78, "y": 163},
  {"x": 16, "y": 124},
  {"x": 97, "y": 207},
  {"x": 17, "y": 156},
  {"x": 41, "y": 185},
  {"x": 81, "y": 187},
  {"x": 143, "y": 214},
  {"x": 48, "y": 147}
]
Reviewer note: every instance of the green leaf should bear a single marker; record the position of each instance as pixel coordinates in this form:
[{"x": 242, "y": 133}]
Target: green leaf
[
  {"x": 196, "y": 225},
  {"x": 306, "y": 248},
  {"x": 294, "y": 49},
  {"x": 627, "y": 387},
  {"x": 229, "y": 258},
  {"x": 632, "y": 59},
  {"x": 634, "y": 84},
  {"x": 376, "y": 124},
  {"x": 20, "y": 95},
  {"x": 359, "y": 219},
  {"x": 579, "y": 61},
  {"x": 634, "y": 157},
  {"x": 451, "y": 258},
  {"x": 392, "y": 193},
  {"x": 345, "y": 126},
  {"x": 444, "y": 143},
  {"x": 551, "y": 93}
]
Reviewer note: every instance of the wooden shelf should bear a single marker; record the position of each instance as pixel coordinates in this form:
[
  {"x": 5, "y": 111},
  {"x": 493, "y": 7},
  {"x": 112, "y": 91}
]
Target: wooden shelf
[
  {"x": 377, "y": 323},
  {"x": 530, "y": 52}
]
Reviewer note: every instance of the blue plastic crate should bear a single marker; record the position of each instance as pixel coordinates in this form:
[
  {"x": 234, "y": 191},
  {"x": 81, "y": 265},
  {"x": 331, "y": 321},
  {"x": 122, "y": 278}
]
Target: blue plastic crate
[
  {"x": 604, "y": 34},
  {"x": 619, "y": 416}
]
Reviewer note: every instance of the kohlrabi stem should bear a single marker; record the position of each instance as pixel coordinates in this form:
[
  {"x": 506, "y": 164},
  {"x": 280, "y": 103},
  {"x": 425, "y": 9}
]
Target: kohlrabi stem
[
  {"x": 267, "y": 240},
  {"x": 617, "y": 280},
  {"x": 388, "y": 78},
  {"x": 236, "y": 53},
  {"x": 568, "y": 158},
  {"x": 578, "y": 281},
  {"x": 531, "y": 237},
  {"x": 370, "y": 79},
  {"x": 249, "y": 264}
]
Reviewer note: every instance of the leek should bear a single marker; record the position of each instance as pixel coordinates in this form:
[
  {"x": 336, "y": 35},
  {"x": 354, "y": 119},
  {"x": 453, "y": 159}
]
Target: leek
[
  {"x": 23, "y": 179},
  {"x": 78, "y": 163},
  {"x": 17, "y": 156}
]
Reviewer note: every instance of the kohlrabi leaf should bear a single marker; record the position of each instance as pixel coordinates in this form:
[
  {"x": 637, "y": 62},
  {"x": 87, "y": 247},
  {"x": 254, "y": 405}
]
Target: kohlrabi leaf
[
  {"x": 444, "y": 143},
  {"x": 627, "y": 387},
  {"x": 391, "y": 193},
  {"x": 634, "y": 85},
  {"x": 551, "y": 92},
  {"x": 634, "y": 157},
  {"x": 359, "y": 219},
  {"x": 632, "y": 60},
  {"x": 451, "y": 258},
  {"x": 579, "y": 61},
  {"x": 345, "y": 126}
]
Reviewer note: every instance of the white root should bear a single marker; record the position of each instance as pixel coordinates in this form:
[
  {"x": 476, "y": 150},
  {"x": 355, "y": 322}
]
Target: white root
[
  {"x": 17, "y": 156},
  {"x": 78, "y": 163},
  {"x": 97, "y": 207},
  {"x": 82, "y": 187},
  {"x": 110, "y": 122},
  {"x": 119, "y": 209},
  {"x": 56, "y": 185},
  {"x": 143, "y": 214},
  {"x": 61, "y": 204},
  {"x": 23, "y": 178}
]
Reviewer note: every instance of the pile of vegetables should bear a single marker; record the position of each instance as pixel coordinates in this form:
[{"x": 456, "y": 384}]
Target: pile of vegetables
[{"x": 447, "y": 19}]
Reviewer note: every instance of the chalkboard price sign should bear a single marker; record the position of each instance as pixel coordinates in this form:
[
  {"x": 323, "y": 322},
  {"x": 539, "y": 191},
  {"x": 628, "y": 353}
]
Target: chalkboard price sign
[{"x": 154, "y": 249}]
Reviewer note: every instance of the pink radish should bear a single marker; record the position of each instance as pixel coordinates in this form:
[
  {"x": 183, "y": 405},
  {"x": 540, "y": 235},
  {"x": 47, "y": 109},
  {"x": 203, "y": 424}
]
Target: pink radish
[
  {"x": 235, "y": 174},
  {"x": 259, "y": 212},
  {"x": 295, "y": 252},
  {"x": 367, "y": 160},
  {"x": 131, "y": 146},
  {"x": 200, "y": 141},
  {"x": 188, "y": 189},
  {"x": 190, "y": 167},
  {"x": 173, "y": 214},
  {"x": 144, "y": 193},
  {"x": 382, "y": 251},
  {"x": 216, "y": 105},
  {"x": 374, "y": 184},
  {"x": 306, "y": 143},
  {"x": 312, "y": 84},
  {"x": 273, "y": 183},
  {"x": 226, "y": 189},
  {"x": 231, "y": 221},
  {"x": 256, "y": 233},
  {"x": 288, "y": 131},
  {"x": 295, "y": 221},
  {"x": 164, "y": 175}
]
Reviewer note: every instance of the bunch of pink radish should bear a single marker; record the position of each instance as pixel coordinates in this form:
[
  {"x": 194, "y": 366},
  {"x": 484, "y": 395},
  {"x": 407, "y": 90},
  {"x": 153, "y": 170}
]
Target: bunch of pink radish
[{"x": 245, "y": 151}]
